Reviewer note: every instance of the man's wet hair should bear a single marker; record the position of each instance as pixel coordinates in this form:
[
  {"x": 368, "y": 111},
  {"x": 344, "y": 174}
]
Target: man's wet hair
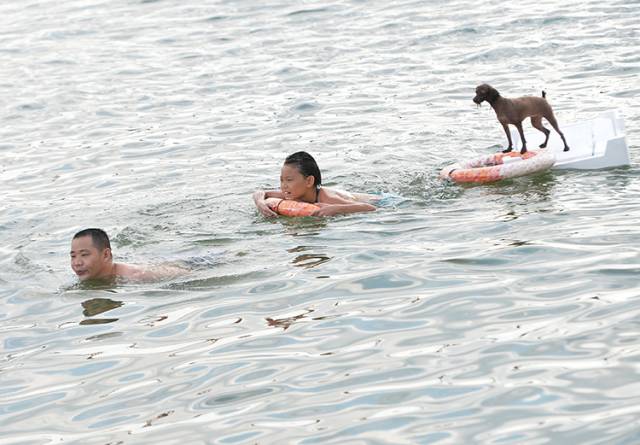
[{"x": 99, "y": 238}]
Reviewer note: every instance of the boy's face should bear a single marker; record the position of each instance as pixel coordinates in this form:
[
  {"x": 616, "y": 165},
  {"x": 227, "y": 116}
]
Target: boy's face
[
  {"x": 293, "y": 183},
  {"x": 87, "y": 261}
]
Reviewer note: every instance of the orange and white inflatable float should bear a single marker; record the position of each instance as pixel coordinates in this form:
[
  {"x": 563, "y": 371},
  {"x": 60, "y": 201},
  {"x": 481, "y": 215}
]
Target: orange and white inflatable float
[
  {"x": 499, "y": 166},
  {"x": 288, "y": 207}
]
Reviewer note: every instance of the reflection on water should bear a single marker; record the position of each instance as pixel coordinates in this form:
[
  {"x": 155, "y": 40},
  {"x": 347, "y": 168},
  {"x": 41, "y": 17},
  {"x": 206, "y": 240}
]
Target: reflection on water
[
  {"x": 303, "y": 227},
  {"x": 97, "y": 306},
  {"x": 499, "y": 314},
  {"x": 286, "y": 322},
  {"x": 101, "y": 284},
  {"x": 150, "y": 422},
  {"x": 98, "y": 321},
  {"x": 206, "y": 283},
  {"x": 308, "y": 260}
]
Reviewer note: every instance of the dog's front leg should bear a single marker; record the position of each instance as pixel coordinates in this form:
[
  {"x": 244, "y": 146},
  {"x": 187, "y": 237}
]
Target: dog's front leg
[
  {"x": 524, "y": 142},
  {"x": 506, "y": 130}
]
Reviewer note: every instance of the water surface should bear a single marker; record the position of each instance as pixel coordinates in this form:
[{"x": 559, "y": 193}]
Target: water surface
[{"x": 501, "y": 314}]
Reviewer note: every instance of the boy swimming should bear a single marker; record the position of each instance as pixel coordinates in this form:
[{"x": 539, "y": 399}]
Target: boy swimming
[
  {"x": 91, "y": 259},
  {"x": 300, "y": 180}
]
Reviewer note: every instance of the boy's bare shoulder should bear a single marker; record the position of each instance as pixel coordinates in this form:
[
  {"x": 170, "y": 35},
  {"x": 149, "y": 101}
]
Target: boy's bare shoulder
[{"x": 343, "y": 195}]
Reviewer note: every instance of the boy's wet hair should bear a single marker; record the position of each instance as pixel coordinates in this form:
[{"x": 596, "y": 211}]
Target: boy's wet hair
[
  {"x": 306, "y": 165},
  {"x": 99, "y": 238}
]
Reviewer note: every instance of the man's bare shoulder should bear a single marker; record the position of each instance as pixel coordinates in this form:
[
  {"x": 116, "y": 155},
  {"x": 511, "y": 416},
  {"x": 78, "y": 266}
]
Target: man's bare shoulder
[{"x": 133, "y": 272}]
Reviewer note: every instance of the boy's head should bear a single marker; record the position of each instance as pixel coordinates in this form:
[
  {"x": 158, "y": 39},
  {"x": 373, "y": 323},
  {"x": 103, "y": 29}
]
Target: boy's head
[
  {"x": 299, "y": 174},
  {"x": 91, "y": 254},
  {"x": 306, "y": 165}
]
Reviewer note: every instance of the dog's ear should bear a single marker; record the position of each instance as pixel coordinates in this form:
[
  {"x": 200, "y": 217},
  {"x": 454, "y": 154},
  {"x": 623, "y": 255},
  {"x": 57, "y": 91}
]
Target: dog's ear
[
  {"x": 492, "y": 94},
  {"x": 481, "y": 90}
]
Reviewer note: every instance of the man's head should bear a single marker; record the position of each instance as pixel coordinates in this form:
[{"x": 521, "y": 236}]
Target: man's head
[{"x": 91, "y": 254}]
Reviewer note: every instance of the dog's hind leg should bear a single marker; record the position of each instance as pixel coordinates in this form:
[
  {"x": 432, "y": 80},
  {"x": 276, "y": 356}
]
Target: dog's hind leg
[
  {"x": 536, "y": 121},
  {"x": 552, "y": 120}
]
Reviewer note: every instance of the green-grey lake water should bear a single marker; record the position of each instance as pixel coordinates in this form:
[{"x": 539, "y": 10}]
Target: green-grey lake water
[{"x": 499, "y": 314}]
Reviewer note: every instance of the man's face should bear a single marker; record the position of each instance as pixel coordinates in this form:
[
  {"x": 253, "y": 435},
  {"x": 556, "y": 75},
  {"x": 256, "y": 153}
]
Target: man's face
[{"x": 87, "y": 261}]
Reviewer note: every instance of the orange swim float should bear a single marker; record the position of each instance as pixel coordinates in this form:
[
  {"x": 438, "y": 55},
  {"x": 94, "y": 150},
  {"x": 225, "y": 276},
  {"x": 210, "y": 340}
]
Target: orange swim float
[
  {"x": 288, "y": 207},
  {"x": 499, "y": 166}
]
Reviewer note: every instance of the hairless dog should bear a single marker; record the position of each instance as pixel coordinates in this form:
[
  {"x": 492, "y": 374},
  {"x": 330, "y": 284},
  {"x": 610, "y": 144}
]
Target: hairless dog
[{"x": 514, "y": 111}]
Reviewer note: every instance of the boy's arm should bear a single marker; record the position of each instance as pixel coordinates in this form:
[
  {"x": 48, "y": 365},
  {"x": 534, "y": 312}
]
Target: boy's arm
[
  {"x": 336, "y": 204},
  {"x": 337, "y": 209},
  {"x": 259, "y": 197}
]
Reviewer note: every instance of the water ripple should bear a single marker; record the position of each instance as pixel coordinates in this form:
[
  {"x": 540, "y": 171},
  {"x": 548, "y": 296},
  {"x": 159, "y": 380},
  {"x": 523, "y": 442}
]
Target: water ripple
[{"x": 483, "y": 314}]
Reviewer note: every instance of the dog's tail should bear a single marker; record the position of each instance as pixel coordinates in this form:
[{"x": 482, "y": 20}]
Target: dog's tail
[{"x": 544, "y": 94}]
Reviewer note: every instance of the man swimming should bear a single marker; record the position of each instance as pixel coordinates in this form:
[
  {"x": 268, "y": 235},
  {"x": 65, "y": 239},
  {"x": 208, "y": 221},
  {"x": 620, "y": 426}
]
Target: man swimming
[{"x": 91, "y": 259}]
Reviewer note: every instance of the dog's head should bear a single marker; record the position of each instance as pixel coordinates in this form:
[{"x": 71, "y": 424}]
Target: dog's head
[{"x": 485, "y": 92}]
